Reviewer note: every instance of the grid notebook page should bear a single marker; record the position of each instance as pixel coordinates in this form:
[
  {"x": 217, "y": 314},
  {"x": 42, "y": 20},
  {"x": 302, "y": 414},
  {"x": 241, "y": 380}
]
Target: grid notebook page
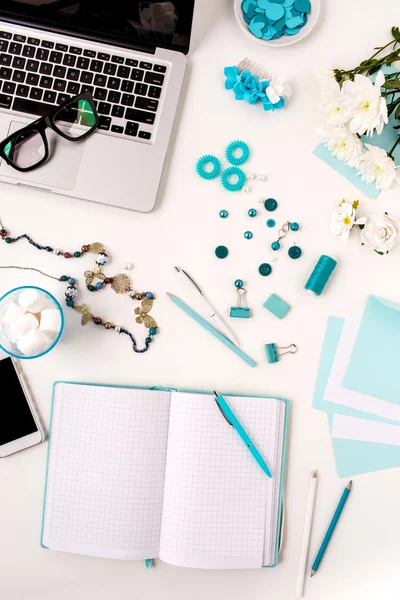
[
  {"x": 215, "y": 493},
  {"x": 106, "y": 471}
]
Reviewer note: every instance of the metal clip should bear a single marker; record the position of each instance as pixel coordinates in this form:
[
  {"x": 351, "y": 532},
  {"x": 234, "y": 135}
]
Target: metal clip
[
  {"x": 240, "y": 310},
  {"x": 273, "y": 355}
]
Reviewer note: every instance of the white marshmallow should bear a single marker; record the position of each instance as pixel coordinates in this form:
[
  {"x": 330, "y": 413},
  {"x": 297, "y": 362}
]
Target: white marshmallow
[
  {"x": 12, "y": 314},
  {"x": 33, "y": 300},
  {"x": 26, "y": 323},
  {"x": 12, "y": 334},
  {"x": 50, "y": 321},
  {"x": 34, "y": 342}
]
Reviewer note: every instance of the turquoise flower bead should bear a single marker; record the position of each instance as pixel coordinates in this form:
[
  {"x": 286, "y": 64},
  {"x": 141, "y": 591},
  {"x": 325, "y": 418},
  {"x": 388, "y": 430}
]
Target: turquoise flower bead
[
  {"x": 152, "y": 331},
  {"x": 275, "y": 245},
  {"x": 248, "y": 235},
  {"x": 294, "y": 226},
  {"x": 99, "y": 285}
]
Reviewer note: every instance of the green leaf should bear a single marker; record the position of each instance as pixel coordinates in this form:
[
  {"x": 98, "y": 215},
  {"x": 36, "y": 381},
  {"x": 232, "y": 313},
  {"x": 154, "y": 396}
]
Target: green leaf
[
  {"x": 392, "y": 84},
  {"x": 397, "y": 113},
  {"x": 381, "y": 253},
  {"x": 362, "y": 227},
  {"x": 374, "y": 69},
  {"x": 396, "y": 34}
]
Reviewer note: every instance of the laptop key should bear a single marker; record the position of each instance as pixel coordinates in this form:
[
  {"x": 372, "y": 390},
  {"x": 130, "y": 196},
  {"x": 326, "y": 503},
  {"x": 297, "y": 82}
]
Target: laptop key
[
  {"x": 117, "y": 129},
  {"x": 131, "y": 62},
  {"x": 131, "y": 132},
  {"x": 5, "y": 59},
  {"x": 117, "y": 59},
  {"x": 100, "y": 94},
  {"x": 5, "y": 73},
  {"x": 82, "y": 63},
  {"x": 32, "y": 79},
  {"x": 118, "y": 111},
  {"x": 59, "y": 85},
  {"x": 33, "y": 41},
  {"x": 86, "y": 77},
  {"x": 47, "y": 44},
  {"x": 19, "y": 38},
  {"x": 104, "y": 123},
  {"x": 28, "y": 51},
  {"x": 45, "y": 68},
  {"x": 73, "y": 74},
  {"x": 103, "y": 56},
  {"x": 113, "y": 97},
  {"x": 127, "y": 99},
  {"x": 18, "y": 62},
  {"x": 30, "y": 106},
  {"x": 123, "y": 72},
  {"x": 109, "y": 69},
  {"x": 62, "y": 47},
  {"x": 113, "y": 83},
  {"x": 42, "y": 54},
  {"x": 62, "y": 98},
  {"x": 3, "y": 46},
  {"x": 159, "y": 69},
  {"x": 19, "y": 76},
  {"x": 104, "y": 108},
  {"x": 100, "y": 80},
  {"x": 59, "y": 71},
  {"x": 145, "y": 135},
  {"x": 15, "y": 48},
  {"x": 8, "y": 87},
  {"x": 155, "y": 78},
  {"x": 36, "y": 94},
  {"x": 49, "y": 96},
  {"x": 32, "y": 65},
  {"x": 5, "y": 35},
  {"x": 73, "y": 88},
  {"x": 145, "y": 65},
  {"x": 89, "y": 53},
  {"x": 22, "y": 90},
  {"x": 127, "y": 86},
  {"x": 140, "y": 116},
  {"x": 46, "y": 82},
  {"x": 137, "y": 74},
  {"x": 75, "y": 50},
  {"x": 141, "y": 89},
  {"x": 56, "y": 57},
  {"x": 146, "y": 103},
  {"x": 87, "y": 88},
  {"x": 69, "y": 60},
  {"x": 96, "y": 66},
  {"x": 154, "y": 92},
  {"x": 5, "y": 101}
]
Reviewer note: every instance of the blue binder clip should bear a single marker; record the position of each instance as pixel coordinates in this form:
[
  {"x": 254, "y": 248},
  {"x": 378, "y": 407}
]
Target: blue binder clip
[
  {"x": 240, "y": 311},
  {"x": 273, "y": 355}
]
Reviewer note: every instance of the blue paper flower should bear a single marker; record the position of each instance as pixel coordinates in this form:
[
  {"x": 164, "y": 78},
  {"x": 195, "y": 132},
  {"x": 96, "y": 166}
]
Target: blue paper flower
[{"x": 249, "y": 88}]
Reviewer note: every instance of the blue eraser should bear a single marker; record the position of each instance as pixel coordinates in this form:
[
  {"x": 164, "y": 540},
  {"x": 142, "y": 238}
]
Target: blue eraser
[{"x": 277, "y": 306}]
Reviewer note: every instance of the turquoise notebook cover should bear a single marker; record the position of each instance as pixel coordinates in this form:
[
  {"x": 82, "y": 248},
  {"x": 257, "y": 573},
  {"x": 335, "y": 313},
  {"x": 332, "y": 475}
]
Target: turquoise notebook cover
[
  {"x": 352, "y": 457},
  {"x": 374, "y": 365},
  {"x": 159, "y": 387}
]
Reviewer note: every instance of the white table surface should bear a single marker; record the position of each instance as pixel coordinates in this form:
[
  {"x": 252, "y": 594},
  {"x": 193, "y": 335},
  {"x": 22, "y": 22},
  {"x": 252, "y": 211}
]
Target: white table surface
[{"x": 362, "y": 561}]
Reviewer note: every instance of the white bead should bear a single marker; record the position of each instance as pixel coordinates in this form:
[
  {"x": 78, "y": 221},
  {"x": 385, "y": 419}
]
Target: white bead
[
  {"x": 250, "y": 175},
  {"x": 262, "y": 177},
  {"x": 131, "y": 293},
  {"x": 117, "y": 329},
  {"x": 128, "y": 266},
  {"x": 274, "y": 259},
  {"x": 261, "y": 200},
  {"x": 57, "y": 252},
  {"x": 246, "y": 189}
]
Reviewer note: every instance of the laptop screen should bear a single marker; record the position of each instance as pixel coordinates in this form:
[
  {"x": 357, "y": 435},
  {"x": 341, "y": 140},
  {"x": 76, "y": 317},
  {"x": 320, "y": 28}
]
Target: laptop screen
[{"x": 137, "y": 24}]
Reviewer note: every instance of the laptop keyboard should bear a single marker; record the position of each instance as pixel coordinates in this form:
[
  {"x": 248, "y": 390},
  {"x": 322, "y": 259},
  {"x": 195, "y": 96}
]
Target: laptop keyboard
[{"x": 37, "y": 74}]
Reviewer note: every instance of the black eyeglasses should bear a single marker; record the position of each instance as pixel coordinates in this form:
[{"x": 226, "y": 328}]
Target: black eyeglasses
[{"x": 28, "y": 148}]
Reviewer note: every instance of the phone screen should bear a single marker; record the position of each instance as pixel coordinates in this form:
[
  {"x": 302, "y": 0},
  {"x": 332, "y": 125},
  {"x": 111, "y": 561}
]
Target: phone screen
[{"x": 16, "y": 419}]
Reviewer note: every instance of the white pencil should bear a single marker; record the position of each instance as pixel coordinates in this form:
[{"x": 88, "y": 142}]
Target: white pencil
[{"x": 306, "y": 534}]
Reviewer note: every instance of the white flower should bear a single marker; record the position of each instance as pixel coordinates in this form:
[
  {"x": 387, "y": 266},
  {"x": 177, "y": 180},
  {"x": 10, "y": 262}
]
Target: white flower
[
  {"x": 332, "y": 106},
  {"x": 277, "y": 88},
  {"x": 380, "y": 233},
  {"x": 377, "y": 167},
  {"x": 344, "y": 219},
  {"x": 342, "y": 144},
  {"x": 365, "y": 105}
]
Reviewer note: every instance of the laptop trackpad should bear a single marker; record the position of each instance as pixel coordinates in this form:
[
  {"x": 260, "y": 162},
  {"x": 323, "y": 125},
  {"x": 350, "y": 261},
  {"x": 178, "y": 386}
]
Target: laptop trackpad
[{"x": 60, "y": 170}]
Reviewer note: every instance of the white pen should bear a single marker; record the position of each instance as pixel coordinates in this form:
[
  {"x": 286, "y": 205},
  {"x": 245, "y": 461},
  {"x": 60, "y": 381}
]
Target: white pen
[{"x": 217, "y": 321}]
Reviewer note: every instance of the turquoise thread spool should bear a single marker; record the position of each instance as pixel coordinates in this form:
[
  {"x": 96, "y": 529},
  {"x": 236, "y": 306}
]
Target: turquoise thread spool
[{"x": 320, "y": 275}]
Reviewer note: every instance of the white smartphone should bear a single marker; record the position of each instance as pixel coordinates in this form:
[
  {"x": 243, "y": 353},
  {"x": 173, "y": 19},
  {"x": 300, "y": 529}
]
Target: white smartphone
[{"x": 20, "y": 427}]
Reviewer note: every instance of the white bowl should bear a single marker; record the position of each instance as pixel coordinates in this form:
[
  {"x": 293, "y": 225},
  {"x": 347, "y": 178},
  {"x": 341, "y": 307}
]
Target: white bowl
[{"x": 285, "y": 40}]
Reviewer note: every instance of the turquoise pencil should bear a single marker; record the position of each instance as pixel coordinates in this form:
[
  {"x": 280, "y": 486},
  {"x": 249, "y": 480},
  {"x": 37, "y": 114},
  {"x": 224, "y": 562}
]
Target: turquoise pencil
[
  {"x": 331, "y": 529},
  {"x": 212, "y": 330}
]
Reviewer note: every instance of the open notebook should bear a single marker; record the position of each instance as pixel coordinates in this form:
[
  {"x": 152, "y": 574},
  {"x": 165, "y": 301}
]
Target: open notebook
[{"x": 136, "y": 473}]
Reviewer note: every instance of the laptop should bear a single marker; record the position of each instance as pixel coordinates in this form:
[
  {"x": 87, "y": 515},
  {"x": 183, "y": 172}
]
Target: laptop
[{"x": 131, "y": 55}]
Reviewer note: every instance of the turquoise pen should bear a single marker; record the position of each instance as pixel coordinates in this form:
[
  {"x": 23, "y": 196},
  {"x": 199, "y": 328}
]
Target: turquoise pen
[
  {"x": 331, "y": 529},
  {"x": 235, "y": 423}
]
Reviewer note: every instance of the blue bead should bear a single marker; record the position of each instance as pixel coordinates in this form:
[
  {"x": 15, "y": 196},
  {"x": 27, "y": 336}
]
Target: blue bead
[
  {"x": 99, "y": 285},
  {"x": 91, "y": 288},
  {"x": 149, "y": 295},
  {"x": 252, "y": 212},
  {"x": 71, "y": 281},
  {"x": 63, "y": 278},
  {"x": 49, "y": 249},
  {"x": 275, "y": 245},
  {"x": 248, "y": 235},
  {"x": 8, "y": 240},
  {"x": 239, "y": 283},
  {"x": 223, "y": 214},
  {"x": 270, "y": 223},
  {"x": 152, "y": 330},
  {"x": 70, "y": 303},
  {"x": 148, "y": 340},
  {"x": 294, "y": 252},
  {"x": 294, "y": 226}
]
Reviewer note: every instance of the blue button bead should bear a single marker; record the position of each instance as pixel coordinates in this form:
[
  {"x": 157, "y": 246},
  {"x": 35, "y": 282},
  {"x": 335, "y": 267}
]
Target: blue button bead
[
  {"x": 275, "y": 245},
  {"x": 294, "y": 252},
  {"x": 221, "y": 252},
  {"x": 149, "y": 295},
  {"x": 248, "y": 235},
  {"x": 252, "y": 212},
  {"x": 294, "y": 226},
  {"x": 99, "y": 285},
  {"x": 265, "y": 269},
  {"x": 239, "y": 283},
  {"x": 270, "y": 223},
  {"x": 223, "y": 214},
  {"x": 270, "y": 204}
]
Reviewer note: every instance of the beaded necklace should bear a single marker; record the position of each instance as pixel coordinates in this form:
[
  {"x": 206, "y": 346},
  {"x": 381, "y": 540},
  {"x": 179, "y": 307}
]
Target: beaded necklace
[{"x": 96, "y": 280}]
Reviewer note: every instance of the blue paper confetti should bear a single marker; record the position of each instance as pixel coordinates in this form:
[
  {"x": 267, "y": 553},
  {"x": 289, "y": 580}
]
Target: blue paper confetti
[{"x": 270, "y": 19}]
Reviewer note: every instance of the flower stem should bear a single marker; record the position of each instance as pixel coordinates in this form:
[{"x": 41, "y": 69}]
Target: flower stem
[{"x": 393, "y": 148}]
